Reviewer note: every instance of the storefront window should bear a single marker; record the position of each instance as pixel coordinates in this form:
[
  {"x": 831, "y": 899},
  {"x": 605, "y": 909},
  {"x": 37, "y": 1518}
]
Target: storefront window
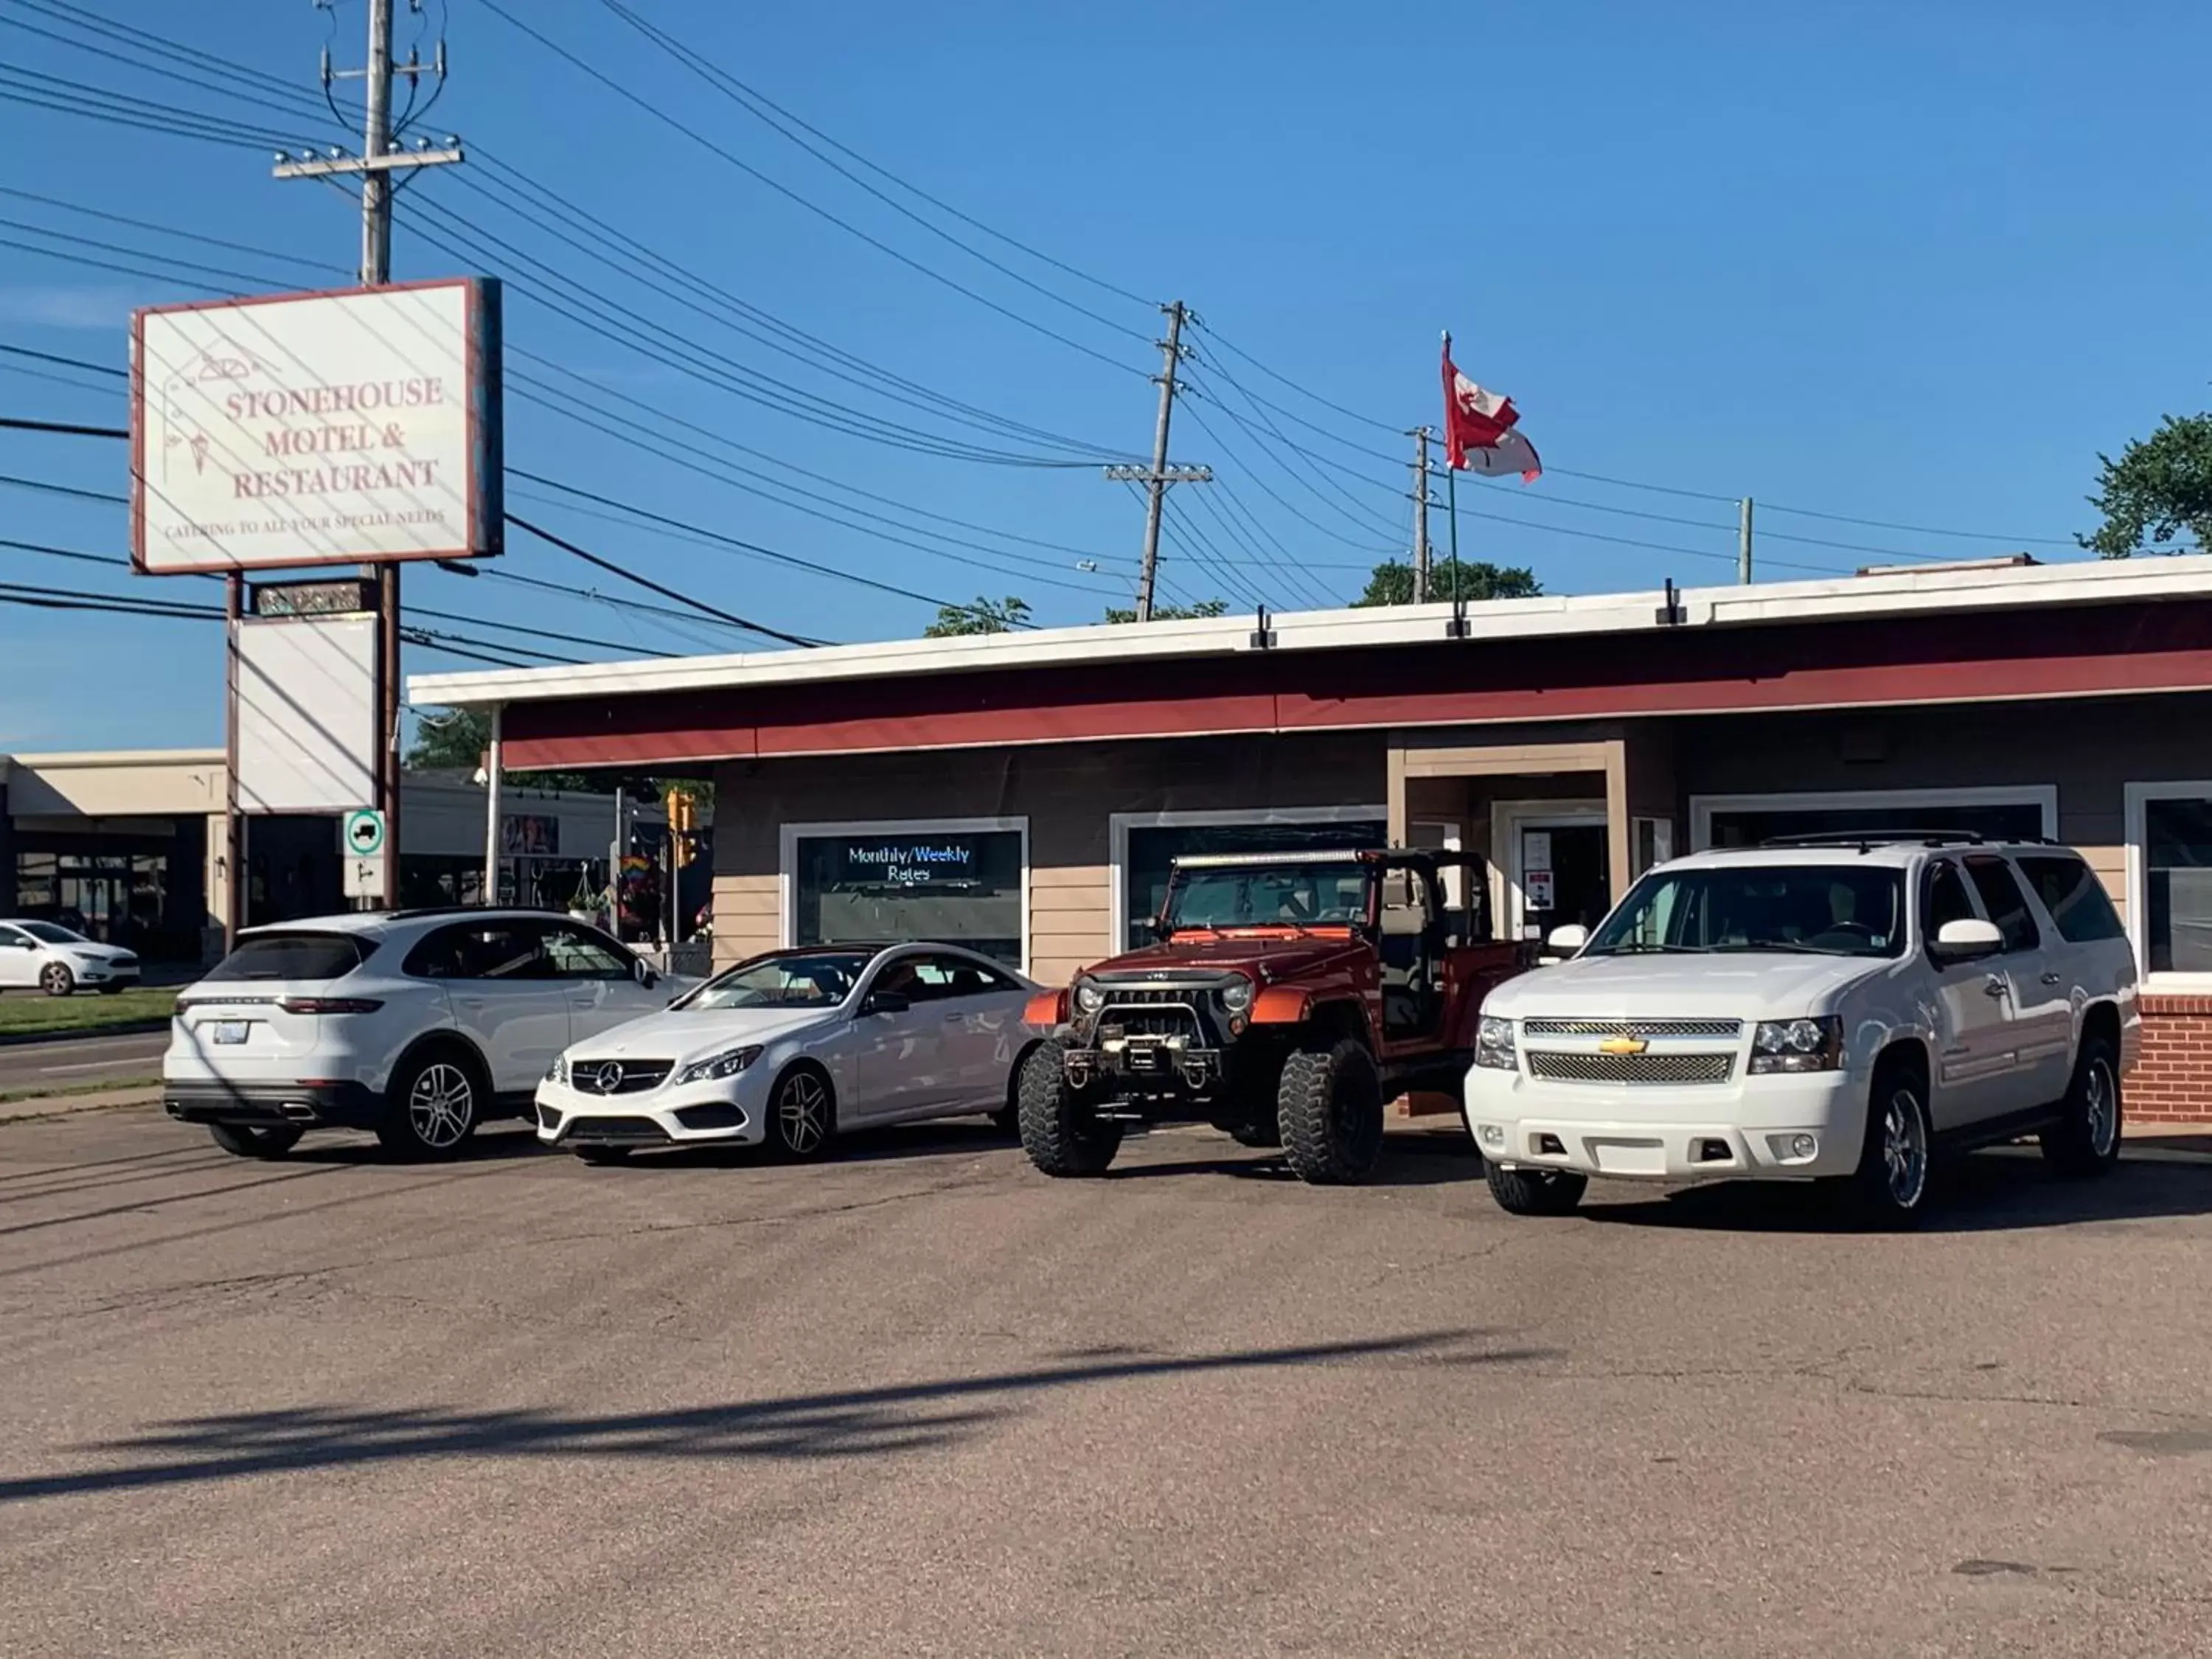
[
  {"x": 1998, "y": 821},
  {"x": 2177, "y": 872},
  {"x": 118, "y": 898},
  {"x": 954, "y": 887},
  {"x": 1153, "y": 848}
]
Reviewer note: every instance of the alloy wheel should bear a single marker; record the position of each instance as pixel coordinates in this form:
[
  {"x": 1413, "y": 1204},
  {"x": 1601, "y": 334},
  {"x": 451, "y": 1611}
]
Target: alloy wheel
[
  {"x": 1905, "y": 1148},
  {"x": 802, "y": 1110},
  {"x": 2101, "y": 1107},
  {"x": 442, "y": 1106}
]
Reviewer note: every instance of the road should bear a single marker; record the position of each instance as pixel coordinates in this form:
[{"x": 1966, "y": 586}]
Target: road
[
  {"x": 919, "y": 1400},
  {"x": 68, "y": 1062}
]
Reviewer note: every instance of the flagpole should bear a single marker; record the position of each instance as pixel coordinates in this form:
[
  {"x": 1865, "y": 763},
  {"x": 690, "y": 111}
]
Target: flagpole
[{"x": 1451, "y": 501}]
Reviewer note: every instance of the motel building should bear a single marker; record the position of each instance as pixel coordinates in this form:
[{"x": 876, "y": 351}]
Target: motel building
[{"x": 1024, "y": 793}]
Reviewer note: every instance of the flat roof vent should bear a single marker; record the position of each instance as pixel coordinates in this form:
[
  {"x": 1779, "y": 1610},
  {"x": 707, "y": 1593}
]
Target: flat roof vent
[{"x": 2003, "y": 562}]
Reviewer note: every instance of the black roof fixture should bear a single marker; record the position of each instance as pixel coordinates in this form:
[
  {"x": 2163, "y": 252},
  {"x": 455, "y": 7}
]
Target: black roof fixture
[
  {"x": 1263, "y": 637},
  {"x": 1671, "y": 614}
]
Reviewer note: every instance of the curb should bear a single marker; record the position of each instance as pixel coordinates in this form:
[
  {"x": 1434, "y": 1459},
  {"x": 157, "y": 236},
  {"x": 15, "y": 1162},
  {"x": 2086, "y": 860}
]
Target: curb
[
  {"x": 82, "y": 1033},
  {"x": 52, "y": 1106}
]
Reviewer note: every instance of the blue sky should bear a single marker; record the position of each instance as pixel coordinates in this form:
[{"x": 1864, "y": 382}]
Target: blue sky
[{"x": 1892, "y": 261}]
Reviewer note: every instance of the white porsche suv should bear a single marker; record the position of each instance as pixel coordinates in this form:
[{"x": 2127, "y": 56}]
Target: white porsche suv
[
  {"x": 416, "y": 1024},
  {"x": 1831, "y": 1009}
]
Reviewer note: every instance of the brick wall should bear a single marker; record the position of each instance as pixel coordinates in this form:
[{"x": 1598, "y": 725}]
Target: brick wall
[{"x": 2173, "y": 1083}]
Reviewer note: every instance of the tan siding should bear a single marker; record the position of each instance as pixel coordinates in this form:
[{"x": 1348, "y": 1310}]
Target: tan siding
[{"x": 745, "y": 917}]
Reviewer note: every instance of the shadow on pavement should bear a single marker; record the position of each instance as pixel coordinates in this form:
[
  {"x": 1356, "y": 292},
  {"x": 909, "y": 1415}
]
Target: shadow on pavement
[
  {"x": 494, "y": 1140},
  {"x": 1415, "y": 1158},
  {"x": 860, "y": 1422},
  {"x": 1989, "y": 1192}
]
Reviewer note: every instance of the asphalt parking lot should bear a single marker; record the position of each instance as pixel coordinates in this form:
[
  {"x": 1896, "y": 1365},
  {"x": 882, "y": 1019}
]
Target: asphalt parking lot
[{"x": 919, "y": 1400}]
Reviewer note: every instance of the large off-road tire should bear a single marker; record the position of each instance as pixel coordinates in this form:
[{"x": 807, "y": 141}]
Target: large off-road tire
[
  {"x": 1897, "y": 1162},
  {"x": 254, "y": 1139},
  {"x": 1328, "y": 1108},
  {"x": 1060, "y": 1131},
  {"x": 433, "y": 1105},
  {"x": 1535, "y": 1192},
  {"x": 2086, "y": 1140}
]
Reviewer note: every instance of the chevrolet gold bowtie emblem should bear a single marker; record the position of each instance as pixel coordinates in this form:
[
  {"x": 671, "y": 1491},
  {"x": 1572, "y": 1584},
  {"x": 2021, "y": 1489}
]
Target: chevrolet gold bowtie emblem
[{"x": 1623, "y": 1045}]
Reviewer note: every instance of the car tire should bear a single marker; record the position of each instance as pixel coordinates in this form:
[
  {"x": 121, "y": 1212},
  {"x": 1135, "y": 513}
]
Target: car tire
[
  {"x": 1063, "y": 1137},
  {"x": 603, "y": 1155},
  {"x": 254, "y": 1139},
  {"x": 2086, "y": 1140},
  {"x": 1329, "y": 1109},
  {"x": 1897, "y": 1161},
  {"x": 56, "y": 980},
  {"x": 1535, "y": 1192},
  {"x": 432, "y": 1106},
  {"x": 802, "y": 1115}
]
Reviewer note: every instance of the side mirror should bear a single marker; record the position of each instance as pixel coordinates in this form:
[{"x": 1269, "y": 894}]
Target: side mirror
[
  {"x": 1572, "y": 937},
  {"x": 641, "y": 971},
  {"x": 886, "y": 1002},
  {"x": 1964, "y": 939}
]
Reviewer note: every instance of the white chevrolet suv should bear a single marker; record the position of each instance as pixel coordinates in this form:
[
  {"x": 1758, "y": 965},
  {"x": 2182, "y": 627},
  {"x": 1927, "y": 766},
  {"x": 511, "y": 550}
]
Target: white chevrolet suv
[
  {"x": 1836, "y": 1009},
  {"x": 416, "y": 1024}
]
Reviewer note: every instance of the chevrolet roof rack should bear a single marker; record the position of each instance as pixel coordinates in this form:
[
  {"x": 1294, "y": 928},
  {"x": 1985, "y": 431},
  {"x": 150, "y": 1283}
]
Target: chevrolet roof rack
[{"x": 1865, "y": 839}]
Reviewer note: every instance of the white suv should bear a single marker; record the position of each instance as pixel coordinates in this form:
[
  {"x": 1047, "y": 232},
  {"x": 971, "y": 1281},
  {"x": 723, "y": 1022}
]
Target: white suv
[
  {"x": 1837, "y": 1009},
  {"x": 416, "y": 1024}
]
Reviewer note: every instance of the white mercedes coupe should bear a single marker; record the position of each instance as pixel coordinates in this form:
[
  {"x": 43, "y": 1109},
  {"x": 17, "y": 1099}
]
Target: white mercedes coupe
[{"x": 791, "y": 1047}]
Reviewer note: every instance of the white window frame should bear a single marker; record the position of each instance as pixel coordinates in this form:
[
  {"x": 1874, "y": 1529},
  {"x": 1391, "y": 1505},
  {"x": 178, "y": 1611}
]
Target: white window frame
[
  {"x": 790, "y": 835},
  {"x": 2139, "y": 797},
  {"x": 1118, "y": 825},
  {"x": 1508, "y": 818},
  {"x": 2041, "y": 796}
]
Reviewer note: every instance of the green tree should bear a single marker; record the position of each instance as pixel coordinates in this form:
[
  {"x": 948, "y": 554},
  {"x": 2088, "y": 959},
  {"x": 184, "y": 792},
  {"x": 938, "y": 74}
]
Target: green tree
[
  {"x": 984, "y": 616},
  {"x": 1170, "y": 612},
  {"x": 1393, "y": 583},
  {"x": 2158, "y": 492}
]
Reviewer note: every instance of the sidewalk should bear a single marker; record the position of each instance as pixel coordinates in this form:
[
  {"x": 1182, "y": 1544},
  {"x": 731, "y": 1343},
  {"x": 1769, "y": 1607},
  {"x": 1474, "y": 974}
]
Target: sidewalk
[{"x": 18, "y": 1111}]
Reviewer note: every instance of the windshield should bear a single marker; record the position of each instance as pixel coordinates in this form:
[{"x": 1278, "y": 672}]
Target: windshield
[
  {"x": 1841, "y": 910},
  {"x": 811, "y": 979},
  {"x": 51, "y": 935},
  {"x": 1268, "y": 895}
]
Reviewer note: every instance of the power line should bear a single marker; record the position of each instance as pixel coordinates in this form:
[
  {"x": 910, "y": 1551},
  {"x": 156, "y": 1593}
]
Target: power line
[
  {"x": 192, "y": 56},
  {"x": 785, "y": 190},
  {"x": 534, "y": 633},
  {"x": 170, "y": 230},
  {"x": 647, "y": 582},
  {"x": 69, "y": 363},
  {"x": 639, "y": 264},
  {"x": 744, "y": 96},
  {"x": 15, "y": 424},
  {"x": 67, "y": 257},
  {"x": 43, "y": 487},
  {"x": 751, "y": 548}
]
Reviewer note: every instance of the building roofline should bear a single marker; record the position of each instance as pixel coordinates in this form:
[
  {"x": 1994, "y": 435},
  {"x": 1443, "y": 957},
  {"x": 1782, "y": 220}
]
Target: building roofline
[{"x": 1886, "y": 593}]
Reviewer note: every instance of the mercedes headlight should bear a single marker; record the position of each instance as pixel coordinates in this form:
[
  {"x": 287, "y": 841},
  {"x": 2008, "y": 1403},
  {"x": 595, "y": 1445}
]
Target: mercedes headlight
[
  {"x": 1089, "y": 998},
  {"x": 558, "y": 1071},
  {"x": 728, "y": 1063},
  {"x": 1495, "y": 1044},
  {"x": 1237, "y": 995},
  {"x": 1797, "y": 1045}
]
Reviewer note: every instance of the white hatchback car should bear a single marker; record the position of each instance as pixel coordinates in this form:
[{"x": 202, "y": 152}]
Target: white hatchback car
[
  {"x": 416, "y": 1024},
  {"x": 792, "y": 1047},
  {"x": 47, "y": 956},
  {"x": 1839, "y": 1009}
]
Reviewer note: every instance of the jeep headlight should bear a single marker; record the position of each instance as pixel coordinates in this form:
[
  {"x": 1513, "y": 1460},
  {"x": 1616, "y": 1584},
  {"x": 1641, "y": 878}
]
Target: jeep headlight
[
  {"x": 1089, "y": 998},
  {"x": 728, "y": 1063},
  {"x": 1237, "y": 995},
  {"x": 558, "y": 1071},
  {"x": 1495, "y": 1044},
  {"x": 1797, "y": 1045}
]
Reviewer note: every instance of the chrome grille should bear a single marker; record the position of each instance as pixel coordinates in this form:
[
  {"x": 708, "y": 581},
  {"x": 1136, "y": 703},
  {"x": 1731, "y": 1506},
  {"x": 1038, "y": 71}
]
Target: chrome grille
[
  {"x": 617, "y": 1077},
  {"x": 1557, "y": 1067},
  {"x": 1726, "y": 1031}
]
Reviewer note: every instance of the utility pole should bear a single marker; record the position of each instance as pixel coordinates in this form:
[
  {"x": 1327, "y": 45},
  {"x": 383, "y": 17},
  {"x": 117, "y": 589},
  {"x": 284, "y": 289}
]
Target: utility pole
[
  {"x": 1158, "y": 477},
  {"x": 376, "y": 165},
  {"x": 1420, "y": 436},
  {"x": 1743, "y": 540}
]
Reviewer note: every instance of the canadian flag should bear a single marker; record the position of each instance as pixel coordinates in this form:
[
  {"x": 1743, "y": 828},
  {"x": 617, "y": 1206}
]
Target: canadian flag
[{"x": 1478, "y": 429}]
